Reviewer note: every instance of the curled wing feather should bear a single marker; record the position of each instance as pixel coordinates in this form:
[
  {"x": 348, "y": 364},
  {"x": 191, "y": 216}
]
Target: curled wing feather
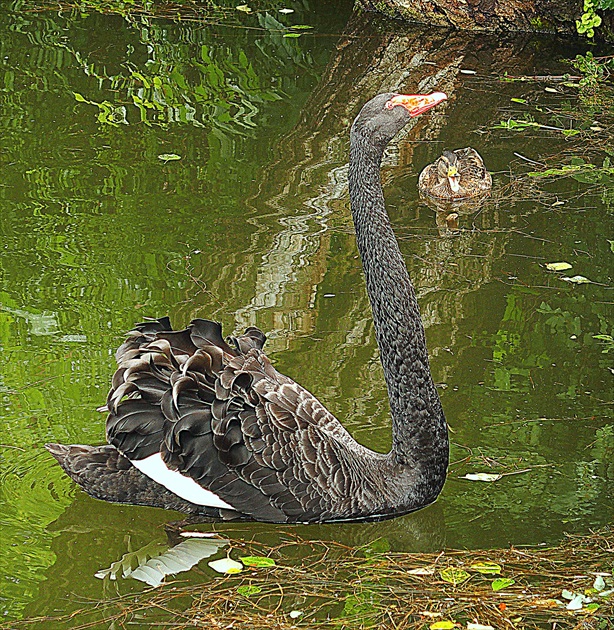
[{"x": 218, "y": 412}]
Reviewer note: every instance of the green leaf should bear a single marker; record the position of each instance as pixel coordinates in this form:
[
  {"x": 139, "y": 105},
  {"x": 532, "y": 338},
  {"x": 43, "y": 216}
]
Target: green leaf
[
  {"x": 248, "y": 589},
  {"x": 558, "y": 266},
  {"x": 167, "y": 157},
  {"x": 80, "y": 97},
  {"x": 522, "y": 101},
  {"x": 302, "y": 27},
  {"x": 453, "y": 575},
  {"x": 592, "y": 607},
  {"x": 257, "y": 561},
  {"x": 487, "y": 567},
  {"x": 442, "y": 625},
  {"x": 500, "y": 583},
  {"x": 292, "y": 34}
]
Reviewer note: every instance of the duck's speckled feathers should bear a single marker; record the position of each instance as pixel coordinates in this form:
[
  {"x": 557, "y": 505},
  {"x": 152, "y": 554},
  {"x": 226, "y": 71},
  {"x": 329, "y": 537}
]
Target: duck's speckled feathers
[{"x": 474, "y": 180}]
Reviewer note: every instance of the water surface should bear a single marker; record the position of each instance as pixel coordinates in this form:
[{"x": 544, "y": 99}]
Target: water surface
[{"x": 251, "y": 226}]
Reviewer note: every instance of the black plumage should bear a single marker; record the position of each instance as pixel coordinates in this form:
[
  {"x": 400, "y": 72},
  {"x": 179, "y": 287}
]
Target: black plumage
[{"x": 217, "y": 412}]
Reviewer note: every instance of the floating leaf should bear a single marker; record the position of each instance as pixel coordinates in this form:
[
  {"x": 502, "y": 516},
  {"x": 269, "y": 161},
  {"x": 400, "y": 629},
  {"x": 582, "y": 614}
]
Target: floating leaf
[
  {"x": 453, "y": 575},
  {"x": 522, "y": 101},
  {"x": 500, "y": 583},
  {"x": 257, "y": 561},
  {"x": 599, "y": 583},
  {"x": 468, "y": 72},
  {"x": 286, "y": 11},
  {"x": 167, "y": 157},
  {"x": 487, "y": 567},
  {"x": 576, "y": 603},
  {"x": 245, "y": 8},
  {"x": 442, "y": 625},
  {"x": 482, "y": 477},
  {"x": 80, "y": 98},
  {"x": 422, "y": 571},
  {"x": 478, "y": 626},
  {"x": 552, "y": 90},
  {"x": 226, "y": 565},
  {"x": 291, "y": 35},
  {"x": 295, "y": 614},
  {"x": 592, "y": 607},
  {"x": 248, "y": 589},
  {"x": 567, "y": 594},
  {"x": 558, "y": 266},
  {"x": 576, "y": 279},
  {"x": 198, "y": 534}
]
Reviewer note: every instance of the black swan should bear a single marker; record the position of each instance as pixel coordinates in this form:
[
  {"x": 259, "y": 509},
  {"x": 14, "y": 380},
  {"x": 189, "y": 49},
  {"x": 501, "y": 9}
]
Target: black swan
[
  {"x": 208, "y": 426},
  {"x": 456, "y": 175}
]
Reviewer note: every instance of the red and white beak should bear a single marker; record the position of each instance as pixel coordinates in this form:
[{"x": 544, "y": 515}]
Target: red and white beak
[{"x": 416, "y": 104}]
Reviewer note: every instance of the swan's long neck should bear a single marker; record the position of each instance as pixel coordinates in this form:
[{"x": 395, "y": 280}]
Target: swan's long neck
[{"x": 419, "y": 432}]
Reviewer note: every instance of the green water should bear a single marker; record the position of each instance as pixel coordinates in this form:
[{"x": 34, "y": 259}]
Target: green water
[{"x": 251, "y": 226}]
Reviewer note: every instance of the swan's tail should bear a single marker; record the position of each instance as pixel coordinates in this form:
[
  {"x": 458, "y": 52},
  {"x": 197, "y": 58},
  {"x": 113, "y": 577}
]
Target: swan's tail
[{"x": 104, "y": 473}]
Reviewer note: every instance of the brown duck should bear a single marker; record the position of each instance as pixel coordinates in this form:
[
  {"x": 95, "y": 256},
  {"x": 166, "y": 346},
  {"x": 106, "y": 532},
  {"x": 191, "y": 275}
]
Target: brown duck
[{"x": 456, "y": 175}]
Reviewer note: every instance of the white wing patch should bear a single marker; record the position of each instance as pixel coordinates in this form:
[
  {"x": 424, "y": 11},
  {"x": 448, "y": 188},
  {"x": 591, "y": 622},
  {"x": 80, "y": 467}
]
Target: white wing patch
[{"x": 179, "y": 484}]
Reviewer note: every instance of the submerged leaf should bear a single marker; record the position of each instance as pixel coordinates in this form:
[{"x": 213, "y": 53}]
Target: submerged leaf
[{"x": 453, "y": 575}]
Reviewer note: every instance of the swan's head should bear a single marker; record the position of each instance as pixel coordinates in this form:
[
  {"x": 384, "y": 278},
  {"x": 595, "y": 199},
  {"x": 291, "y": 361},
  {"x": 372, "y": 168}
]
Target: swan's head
[
  {"x": 447, "y": 168},
  {"x": 385, "y": 115}
]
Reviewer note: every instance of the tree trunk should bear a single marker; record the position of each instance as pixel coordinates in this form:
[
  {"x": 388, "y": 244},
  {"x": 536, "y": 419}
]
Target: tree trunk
[{"x": 552, "y": 16}]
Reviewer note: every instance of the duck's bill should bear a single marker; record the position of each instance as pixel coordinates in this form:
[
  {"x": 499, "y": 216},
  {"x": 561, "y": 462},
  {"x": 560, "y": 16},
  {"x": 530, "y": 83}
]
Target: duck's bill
[
  {"x": 454, "y": 181},
  {"x": 416, "y": 104}
]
